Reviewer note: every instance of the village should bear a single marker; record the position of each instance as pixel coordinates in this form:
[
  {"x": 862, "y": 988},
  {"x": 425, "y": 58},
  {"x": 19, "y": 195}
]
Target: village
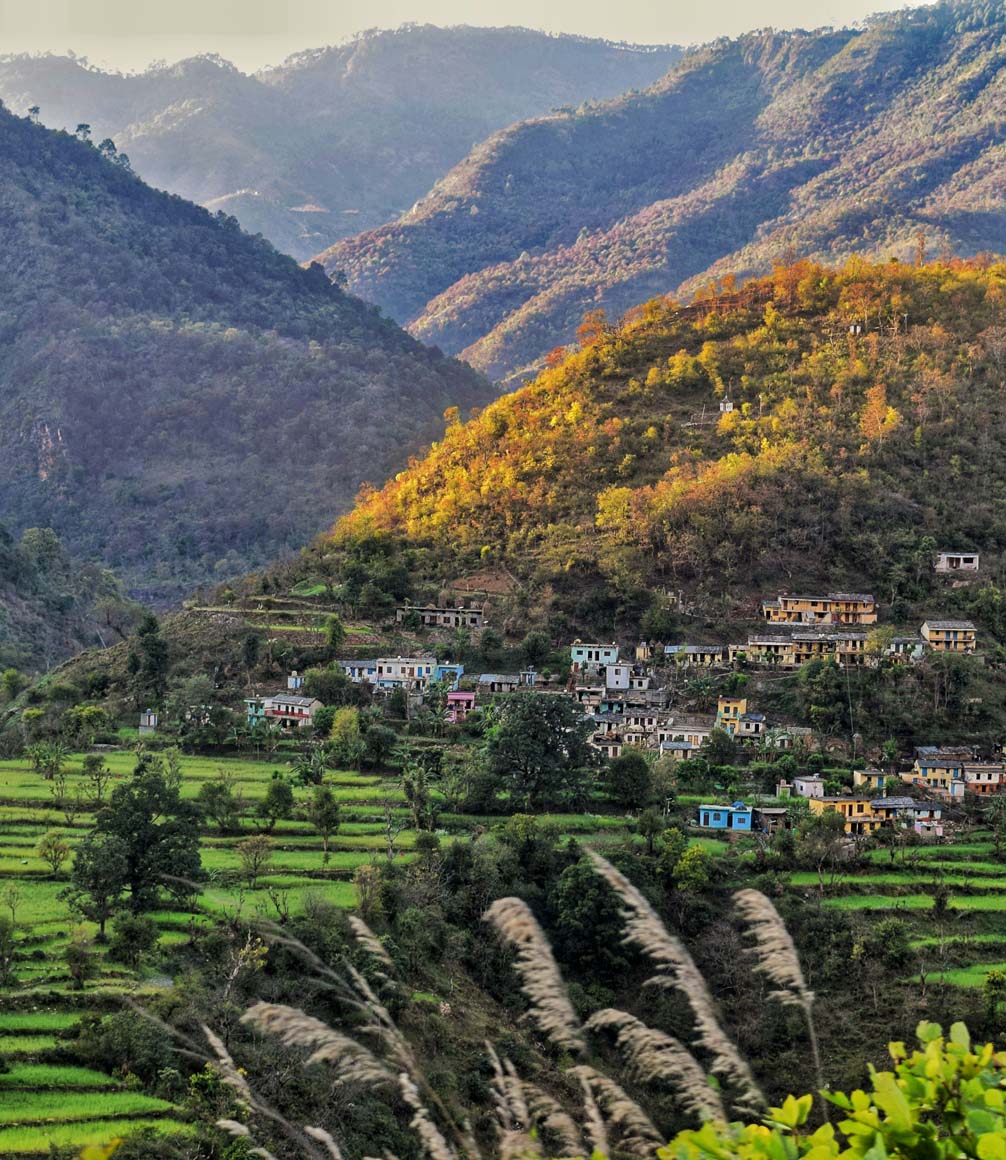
[{"x": 628, "y": 698}]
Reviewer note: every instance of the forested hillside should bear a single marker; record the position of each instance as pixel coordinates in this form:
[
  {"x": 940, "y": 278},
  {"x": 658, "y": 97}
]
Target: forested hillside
[
  {"x": 177, "y": 399},
  {"x": 334, "y": 140},
  {"x": 815, "y": 144},
  {"x": 50, "y": 607},
  {"x": 842, "y": 463}
]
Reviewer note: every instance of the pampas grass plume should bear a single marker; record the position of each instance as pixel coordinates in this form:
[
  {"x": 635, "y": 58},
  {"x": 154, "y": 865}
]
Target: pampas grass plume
[
  {"x": 677, "y": 969},
  {"x": 295, "y": 1029},
  {"x": 542, "y": 982},
  {"x": 653, "y": 1055}
]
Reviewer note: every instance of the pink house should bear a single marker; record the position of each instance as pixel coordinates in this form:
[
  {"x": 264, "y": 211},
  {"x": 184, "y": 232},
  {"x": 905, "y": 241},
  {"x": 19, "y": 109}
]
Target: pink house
[{"x": 459, "y": 705}]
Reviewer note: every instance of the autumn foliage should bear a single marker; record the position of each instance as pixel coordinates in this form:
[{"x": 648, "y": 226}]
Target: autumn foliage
[{"x": 811, "y": 419}]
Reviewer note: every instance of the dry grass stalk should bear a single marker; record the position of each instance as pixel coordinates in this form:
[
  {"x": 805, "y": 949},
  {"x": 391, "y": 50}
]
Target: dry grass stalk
[
  {"x": 775, "y": 957},
  {"x": 233, "y": 1128},
  {"x": 593, "y": 1122},
  {"x": 508, "y": 1094},
  {"x": 636, "y": 1131},
  {"x": 552, "y": 1118},
  {"x": 519, "y": 1146},
  {"x": 369, "y": 941},
  {"x": 653, "y": 1055},
  {"x": 325, "y": 1138},
  {"x": 677, "y": 969},
  {"x": 542, "y": 982},
  {"x": 293, "y": 1028},
  {"x": 227, "y": 1068},
  {"x": 774, "y": 952},
  {"x": 434, "y": 1145}
]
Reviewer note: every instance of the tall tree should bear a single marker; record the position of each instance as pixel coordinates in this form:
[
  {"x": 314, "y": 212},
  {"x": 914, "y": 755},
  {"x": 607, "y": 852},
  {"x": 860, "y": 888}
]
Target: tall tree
[
  {"x": 158, "y": 835},
  {"x": 537, "y": 747}
]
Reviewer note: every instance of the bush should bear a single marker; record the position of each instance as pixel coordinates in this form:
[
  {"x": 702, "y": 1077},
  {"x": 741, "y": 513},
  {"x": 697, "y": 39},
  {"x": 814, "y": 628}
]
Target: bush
[
  {"x": 133, "y": 937},
  {"x": 942, "y": 1101}
]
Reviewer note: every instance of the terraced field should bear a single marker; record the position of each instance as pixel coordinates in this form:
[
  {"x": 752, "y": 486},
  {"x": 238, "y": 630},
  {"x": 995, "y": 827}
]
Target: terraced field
[
  {"x": 46, "y": 1100},
  {"x": 957, "y": 944}
]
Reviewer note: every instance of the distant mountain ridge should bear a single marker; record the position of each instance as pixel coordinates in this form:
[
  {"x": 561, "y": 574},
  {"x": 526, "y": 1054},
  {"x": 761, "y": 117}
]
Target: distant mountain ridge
[
  {"x": 767, "y": 147},
  {"x": 178, "y": 400},
  {"x": 334, "y": 140}
]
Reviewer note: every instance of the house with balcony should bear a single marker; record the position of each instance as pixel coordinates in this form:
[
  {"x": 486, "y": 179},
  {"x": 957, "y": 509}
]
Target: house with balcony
[
  {"x": 704, "y": 655},
  {"x": 431, "y": 616},
  {"x": 592, "y": 658},
  {"x": 984, "y": 777},
  {"x": 459, "y": 705},
  {"x": 834, "y": 608},
  {"x": 856, "y": 811},
  {"x": 940, "y": 769},
  {"x": 290, "y": 710},
  {"x": 924, "y": 818},
  {"x": 694, "y": 730},
  {"x": 959, "y": 636},
  {"x": 413, "y": 674},
  {"x": 729, "y": 711},
  {"x": 360, "y": 672}
]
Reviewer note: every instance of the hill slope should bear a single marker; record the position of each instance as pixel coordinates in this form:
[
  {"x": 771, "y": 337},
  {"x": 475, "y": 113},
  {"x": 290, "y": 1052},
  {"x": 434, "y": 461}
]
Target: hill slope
[
  {"x": 176, "y": 398},
  {"x": 842, "y": 464},
  {"x": 51, "y": 608},
  {"x": 818, "y": 144},
  {"x": 335, "y": 140}
]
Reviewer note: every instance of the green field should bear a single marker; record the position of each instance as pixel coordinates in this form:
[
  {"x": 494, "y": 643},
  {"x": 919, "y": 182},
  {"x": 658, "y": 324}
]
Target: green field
[
  {"x": 44, "y": 1099},
  {"x": 39, "y": 1139}
]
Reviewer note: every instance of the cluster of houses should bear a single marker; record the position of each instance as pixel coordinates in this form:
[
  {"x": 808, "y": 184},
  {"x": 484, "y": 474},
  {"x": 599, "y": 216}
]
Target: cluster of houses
[
  {"x": 944, "y": 774},
  {"x": 862, "y": 816},
  {"x": 835, "y": 627}
]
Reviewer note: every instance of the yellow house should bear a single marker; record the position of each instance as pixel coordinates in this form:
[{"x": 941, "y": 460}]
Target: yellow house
[
  {"x": 940, "y": 770},
  {"x": 858, "y": 813},
  {"x": 872, "y": 779},
  {"x": 950, "y": 635},
  {"x": 774, "y": 651},
  {"x": 834, "y": 608},
  {"x": 729, "y": 711}
]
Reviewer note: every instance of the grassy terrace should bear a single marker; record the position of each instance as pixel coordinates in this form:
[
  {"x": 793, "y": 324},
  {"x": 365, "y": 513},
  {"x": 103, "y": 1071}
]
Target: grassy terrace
[
  {"x": 46, "y": 1100},
  {"x": 958, "y": 946}
]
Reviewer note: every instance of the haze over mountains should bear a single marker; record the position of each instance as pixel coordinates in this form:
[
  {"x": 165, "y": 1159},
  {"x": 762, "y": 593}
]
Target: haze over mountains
[
  {"x": 178, "y": 400},
  {"x": 333, "y": 141},
  {"x": 773, "y": 145}
]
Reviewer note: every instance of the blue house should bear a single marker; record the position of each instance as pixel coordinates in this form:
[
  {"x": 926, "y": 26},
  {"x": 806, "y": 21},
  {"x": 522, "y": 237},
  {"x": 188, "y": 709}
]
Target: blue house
[
  {"x": 451, "y": 673},
  {"x": 735, "y": 818},
  {"x": 359, "y": 671}
]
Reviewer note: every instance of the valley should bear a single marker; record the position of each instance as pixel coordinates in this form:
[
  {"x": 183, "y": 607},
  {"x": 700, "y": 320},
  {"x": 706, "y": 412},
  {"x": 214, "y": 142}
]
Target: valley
[{"x": 589, "y": 741}]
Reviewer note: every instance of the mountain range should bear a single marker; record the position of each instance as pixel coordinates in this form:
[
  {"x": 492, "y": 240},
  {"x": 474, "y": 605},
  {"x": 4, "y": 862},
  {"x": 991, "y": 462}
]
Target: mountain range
[
  {"x": 178, "y": 400},
  {"x": 881, "y": 140},
  {"x": 335, "y": 140}
]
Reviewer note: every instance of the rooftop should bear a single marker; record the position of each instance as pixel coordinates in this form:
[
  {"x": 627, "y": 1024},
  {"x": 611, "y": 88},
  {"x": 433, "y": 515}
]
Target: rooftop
[
  {"x": 292, "y": 699},
  {"x": 951, "y": 625}
]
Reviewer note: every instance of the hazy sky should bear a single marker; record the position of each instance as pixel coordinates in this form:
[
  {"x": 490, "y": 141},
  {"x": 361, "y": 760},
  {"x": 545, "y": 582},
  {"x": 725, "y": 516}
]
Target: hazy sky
[{"x": 128, "y": 34}]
